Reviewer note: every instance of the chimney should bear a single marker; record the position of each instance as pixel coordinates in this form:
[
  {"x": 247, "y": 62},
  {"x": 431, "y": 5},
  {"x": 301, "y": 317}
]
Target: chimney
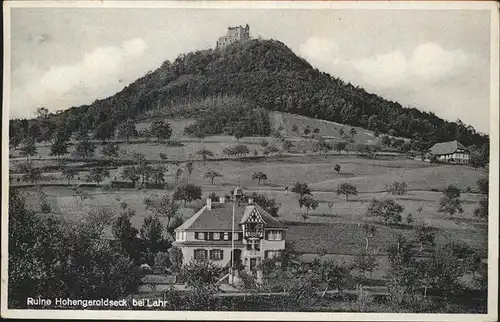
[
  {"x": 222, "y": 199},
  {"x": 250, "y": 201},
  {"x": 209, "y": 204}
]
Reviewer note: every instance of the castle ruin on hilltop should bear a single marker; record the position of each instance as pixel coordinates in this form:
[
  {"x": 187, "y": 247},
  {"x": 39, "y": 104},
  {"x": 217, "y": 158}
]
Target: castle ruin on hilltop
[{"x": 234, "y": 34}]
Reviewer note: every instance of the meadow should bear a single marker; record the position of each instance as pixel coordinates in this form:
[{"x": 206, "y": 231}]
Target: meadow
[
  {"x": 333, "y": 231},
  {"x": 328, "y": 233}
]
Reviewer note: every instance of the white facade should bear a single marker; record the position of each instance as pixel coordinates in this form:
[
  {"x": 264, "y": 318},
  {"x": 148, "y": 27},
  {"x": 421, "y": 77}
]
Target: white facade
[{"x": 257, "y": 236}]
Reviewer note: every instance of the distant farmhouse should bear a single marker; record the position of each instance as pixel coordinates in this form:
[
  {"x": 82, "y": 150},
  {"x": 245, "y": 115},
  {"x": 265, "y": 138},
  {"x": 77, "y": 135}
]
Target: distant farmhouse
[
  {"x": 208, "y": 235},
  {"x": 450, "y": 152},
  {"x": 234, "y": 34}
]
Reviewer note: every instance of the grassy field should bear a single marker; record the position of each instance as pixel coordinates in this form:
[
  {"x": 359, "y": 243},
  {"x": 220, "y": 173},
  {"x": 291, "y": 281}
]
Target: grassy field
[
  {"x": 328, "y": 130},
  {"x": 335, "y": 231}
]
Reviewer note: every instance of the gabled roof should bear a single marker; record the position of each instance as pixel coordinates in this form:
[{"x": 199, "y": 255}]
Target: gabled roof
[
  {"x": 221, "y": 215},
  {"x": 251, "y": 213},
  {"x": 446, "y": 147}
]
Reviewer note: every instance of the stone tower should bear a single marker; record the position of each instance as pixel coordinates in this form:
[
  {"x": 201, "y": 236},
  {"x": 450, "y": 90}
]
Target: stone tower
[{"x": 234, "y": 34}]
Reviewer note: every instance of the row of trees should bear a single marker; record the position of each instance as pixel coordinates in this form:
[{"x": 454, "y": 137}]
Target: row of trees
[{"x": 262, "y": 73}]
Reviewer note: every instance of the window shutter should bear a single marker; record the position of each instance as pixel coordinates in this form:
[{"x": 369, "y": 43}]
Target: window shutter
[
  {"x": 221, "y": 254},
  {"x": 210, "y": 236},
  {"x": 206, "y": 236},
  {"x": 205, "y": 252},
  {"x": 196, "y": 236}
]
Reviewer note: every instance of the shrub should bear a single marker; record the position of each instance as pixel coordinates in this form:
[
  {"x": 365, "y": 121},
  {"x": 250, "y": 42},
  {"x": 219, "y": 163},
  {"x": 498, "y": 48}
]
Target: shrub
[
  {"x": 398, "y": 188},
  {"x": 45, "y": 207}
]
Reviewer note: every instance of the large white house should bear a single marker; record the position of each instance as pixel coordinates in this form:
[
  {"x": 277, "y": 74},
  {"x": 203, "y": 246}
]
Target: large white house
[
  {"x": 451, "y": 152},
  {"x": 208, "y": 235}
]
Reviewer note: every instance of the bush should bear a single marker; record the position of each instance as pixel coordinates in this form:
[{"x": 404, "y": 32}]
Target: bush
[
  {"x": 45, "y": 207},
  {"x": 398, "y": 188}
]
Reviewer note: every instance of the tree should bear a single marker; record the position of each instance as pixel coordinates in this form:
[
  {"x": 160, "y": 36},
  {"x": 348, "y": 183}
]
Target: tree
[
  {"x": 341, "y": 132},
  {"x": 316, "y": 130},
  {"x": 28, "y": 148},
  {"x": 337, "y": 168},
  {"x": 353, "y": 132},
  {"x": 97, "y": 175},
  {"x": 212, "y": 175},
  {"x": 241, "y": 150},
  {"x": 163, "y": 157},
  {"x": 157, "y": 174},
  {"x": 151, "y": 232},
  {"x": 295, "y": 128},
  {"x": 259, "y": 176},
  {"x": 330, "y": 205},
  {"x": 339, "y": 146},
  {"x": 205, "y": 153},
  {"x": 110, "y": 151},
  {"x": 425, "y": 235},
  {"x": 143, "y": 168},
  {"x": 301, "y": 188},
  {"x": 388, "y": 210},
  {"x": 482, "y": 210},
  {"x": 126, "y": 233},
  {"x": 483, "y": 185},
  {"x": 30, "y": 173},
  {"x": 161, "y": 130},
  {"x": 287, "y": 145},
  {"x": 368, "y": 232},
  {"x": 398, "y": 188},
  {"x": 187, "y": 192},
  {"x": 69, "y": 173},
  {"x": 104, "y": 131},
  {"x": 307, "y": 130},
  {"x": 189, "y": 167},
  {"x": 130, "y": 173},
  {"x": 178, "y": 174},
  {"x": 85, "y": 148},
  {"x": 333, "y": 276},
  {"x": 162, "y": 207},
  {"x": 365, "y": 262},
  {"x": 59, "y": 147},
  {"x": 308, "y": 203},
  {"x": 450, "y": 201},
  {"x": 200, "y": 274},
  {"x": 322, "y": 146},
  {"x": 347, "y": 189},
  {"x": 126, "y": 129},
  {"x": 268, "y": 204},
  {"x": 52, "y": 257},
  {"x": 386, "y": 140}
]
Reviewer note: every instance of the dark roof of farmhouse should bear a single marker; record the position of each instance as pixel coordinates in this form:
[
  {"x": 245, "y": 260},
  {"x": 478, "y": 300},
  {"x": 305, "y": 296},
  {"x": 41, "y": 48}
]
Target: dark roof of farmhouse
[
  {"x": 447, "y": 147},
  {"x": 221, "y": 215}
]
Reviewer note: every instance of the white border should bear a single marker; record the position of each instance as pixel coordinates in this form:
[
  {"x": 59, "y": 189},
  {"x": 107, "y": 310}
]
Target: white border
[{"x": 276, "y": 316}]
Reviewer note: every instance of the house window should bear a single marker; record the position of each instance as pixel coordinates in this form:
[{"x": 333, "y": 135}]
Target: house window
[
  {"x": 200, "y": 236},
  {"x": 274, "y": 235},
  {"x": 200, "y": 254},
  {"x": 216, "y": 236},
  {"x": 180, "y": 235},
  {"x": 216, "y": 254},
  {"x": 226, "y": 236},
  {"x": 271, "y": 253}
]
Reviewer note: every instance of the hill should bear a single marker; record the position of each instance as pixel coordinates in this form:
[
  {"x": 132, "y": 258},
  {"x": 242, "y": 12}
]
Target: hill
[{"x": 265, "y": 74}]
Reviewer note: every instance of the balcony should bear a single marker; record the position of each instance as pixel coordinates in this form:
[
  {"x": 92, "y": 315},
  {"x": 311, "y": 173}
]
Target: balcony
[
  {"x": 253, "y": 234},
  {"x": 252, "y": 253}
]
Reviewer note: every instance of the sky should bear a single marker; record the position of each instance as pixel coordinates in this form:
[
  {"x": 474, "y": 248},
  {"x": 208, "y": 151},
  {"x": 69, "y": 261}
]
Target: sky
[{"x": 434, "y": 60}]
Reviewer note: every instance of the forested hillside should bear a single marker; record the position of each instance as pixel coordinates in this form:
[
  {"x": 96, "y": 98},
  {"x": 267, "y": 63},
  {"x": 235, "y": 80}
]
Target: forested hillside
[{"x": 266, "y": 74}]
